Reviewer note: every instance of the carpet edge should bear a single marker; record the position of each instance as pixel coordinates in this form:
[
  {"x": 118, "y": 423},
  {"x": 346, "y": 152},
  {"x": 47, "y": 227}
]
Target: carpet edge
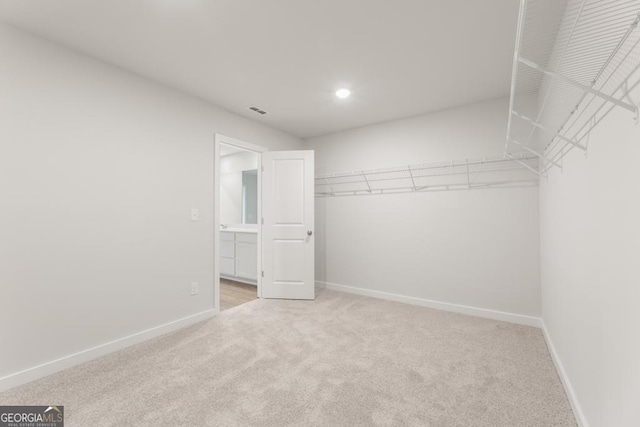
[
  {"x": 519, "y": 319},
  {"x": 68, "y": 361},
  {"x": 564, "y": 379}
]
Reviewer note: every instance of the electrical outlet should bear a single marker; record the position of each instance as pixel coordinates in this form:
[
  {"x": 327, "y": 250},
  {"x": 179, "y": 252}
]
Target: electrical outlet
[{"x": 194, "y": 288}]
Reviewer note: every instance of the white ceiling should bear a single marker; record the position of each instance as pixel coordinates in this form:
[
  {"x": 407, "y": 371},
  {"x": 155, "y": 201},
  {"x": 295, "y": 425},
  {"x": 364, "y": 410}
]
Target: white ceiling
[{"x": 399, "y": 57}]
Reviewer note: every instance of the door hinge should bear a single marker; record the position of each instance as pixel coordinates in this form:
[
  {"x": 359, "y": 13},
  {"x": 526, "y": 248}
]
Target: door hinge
[
  {"x": 262, "y": 168},
  {"x": 262, "y": 273},
  {"x": 262, "y": 221}
]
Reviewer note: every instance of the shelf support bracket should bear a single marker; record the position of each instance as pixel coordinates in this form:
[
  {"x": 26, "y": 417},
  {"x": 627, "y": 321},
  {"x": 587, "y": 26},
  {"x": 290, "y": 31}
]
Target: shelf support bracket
[
  {"x": 329, "y": 184},
  {"x": 466, "y": 161},
  {"x": 367, "y": 181},
  {"x": 572, "y": 82},
  {"x": 544, "y": 128},
  {"x": 523, "y": 164},
  {"x": 542, "y": 156},
  {"x": 413, "y": 182}
]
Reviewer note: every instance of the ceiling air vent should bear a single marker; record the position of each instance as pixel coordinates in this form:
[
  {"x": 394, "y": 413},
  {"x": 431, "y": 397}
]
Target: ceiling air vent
[{"x": 257, "y": 110}]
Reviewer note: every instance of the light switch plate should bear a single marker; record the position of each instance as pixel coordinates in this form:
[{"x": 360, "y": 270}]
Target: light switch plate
[{"x": 194, "y": 214}]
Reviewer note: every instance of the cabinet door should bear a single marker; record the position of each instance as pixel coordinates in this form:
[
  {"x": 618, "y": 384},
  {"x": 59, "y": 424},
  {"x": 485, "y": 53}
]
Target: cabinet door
[
  {"x": 246, "y": 260},
  {"x": 227, "y": 249},
  {"x": 227, "y": 235},
  {"x": 247, "y": 237},
  {"x": 227, "y": 266}
]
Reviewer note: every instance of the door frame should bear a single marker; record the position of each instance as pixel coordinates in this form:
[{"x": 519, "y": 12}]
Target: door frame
[{"x": 222, "y": 139}]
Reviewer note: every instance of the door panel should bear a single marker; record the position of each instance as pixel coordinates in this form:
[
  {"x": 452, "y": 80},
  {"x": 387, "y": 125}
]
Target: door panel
[
  {"x": 288, "y": 188},
  {"x": 287, "y": 207},
  {"x": 288, "y": 261}
]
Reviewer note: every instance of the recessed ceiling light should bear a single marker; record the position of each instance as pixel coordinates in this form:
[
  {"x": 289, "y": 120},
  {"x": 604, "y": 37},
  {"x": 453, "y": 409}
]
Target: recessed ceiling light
[{"x": 343, "y": 93}]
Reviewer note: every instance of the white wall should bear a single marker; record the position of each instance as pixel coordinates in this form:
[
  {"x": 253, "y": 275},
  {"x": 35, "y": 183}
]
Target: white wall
[
  {"x": 231, "y": 168},
  {"x": 477, "y": 248},
  {"x": 98, "y": 172},
  {"x": 238, "y": 162},
  {"x": 590, "y": 230}
]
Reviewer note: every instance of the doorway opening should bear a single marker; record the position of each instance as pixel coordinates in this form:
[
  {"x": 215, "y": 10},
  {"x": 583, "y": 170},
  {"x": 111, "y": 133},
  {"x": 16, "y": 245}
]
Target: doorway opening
[{"x": 237, "y": 232}]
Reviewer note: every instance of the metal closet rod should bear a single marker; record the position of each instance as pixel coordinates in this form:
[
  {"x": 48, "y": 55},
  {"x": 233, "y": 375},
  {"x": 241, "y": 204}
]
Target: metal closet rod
[
  {"x": 396, "y": 180},
  {"x": 593, "y": 33},
  {"x": 560, "y": 152},
  {"x": 360, "y": 178},
  {"x": 427, "y": 188},
  {"x": 431, "y": 166},
  {"x": 556, "y": 150}
]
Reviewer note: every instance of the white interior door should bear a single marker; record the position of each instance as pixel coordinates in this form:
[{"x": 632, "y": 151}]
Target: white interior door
[{"x": 287, "y": 232}]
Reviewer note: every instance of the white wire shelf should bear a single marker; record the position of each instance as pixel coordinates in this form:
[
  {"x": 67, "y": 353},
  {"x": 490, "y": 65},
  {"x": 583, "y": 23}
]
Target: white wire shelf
[
  {"x": 486, "y": 172},
  {"x": 574, "y": 62}
]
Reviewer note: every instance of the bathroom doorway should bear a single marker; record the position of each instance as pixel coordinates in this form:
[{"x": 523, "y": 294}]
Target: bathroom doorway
[{"x": 237, "y": 212}]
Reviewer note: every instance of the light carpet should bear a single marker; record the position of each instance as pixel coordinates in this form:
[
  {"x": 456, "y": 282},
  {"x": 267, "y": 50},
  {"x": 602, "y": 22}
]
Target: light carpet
[{"x": 341, "y": 360}]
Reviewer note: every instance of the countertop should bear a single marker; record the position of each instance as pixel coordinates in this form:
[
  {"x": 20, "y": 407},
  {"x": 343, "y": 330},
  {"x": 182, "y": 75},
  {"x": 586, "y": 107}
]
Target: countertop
[{"x": 240, "y": 230}]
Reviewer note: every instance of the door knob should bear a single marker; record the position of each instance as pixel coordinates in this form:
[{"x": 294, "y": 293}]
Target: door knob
[{"x": 309, "y": 233}]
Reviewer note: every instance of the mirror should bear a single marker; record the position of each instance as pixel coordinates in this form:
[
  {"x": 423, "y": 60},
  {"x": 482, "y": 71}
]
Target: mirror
[
  {"x": 239, "y": 188},
  {"x": 250, "y": 196}
]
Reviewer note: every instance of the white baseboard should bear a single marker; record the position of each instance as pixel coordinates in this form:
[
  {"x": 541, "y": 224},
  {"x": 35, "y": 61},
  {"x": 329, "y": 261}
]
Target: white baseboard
[
  {"x": 566, "y": 383},
  {"x": 65, "y": 362},
  {"x": 463, "y": 309},
  {"x": 240, "y": 279}
]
